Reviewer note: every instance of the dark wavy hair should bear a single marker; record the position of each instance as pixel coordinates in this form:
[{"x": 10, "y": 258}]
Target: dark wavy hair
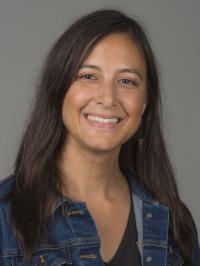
[{"x": 37, "y": 176}]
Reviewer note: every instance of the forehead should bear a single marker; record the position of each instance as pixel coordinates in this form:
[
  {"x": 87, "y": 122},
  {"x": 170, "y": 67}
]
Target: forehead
[{"x": 117, "y": 48}]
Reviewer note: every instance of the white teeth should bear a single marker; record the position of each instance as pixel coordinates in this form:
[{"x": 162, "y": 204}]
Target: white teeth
[{"x": 102, "y": 120}]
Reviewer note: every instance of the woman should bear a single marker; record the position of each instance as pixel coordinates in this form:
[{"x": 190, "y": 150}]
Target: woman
[{"x": 93, "y": 184}]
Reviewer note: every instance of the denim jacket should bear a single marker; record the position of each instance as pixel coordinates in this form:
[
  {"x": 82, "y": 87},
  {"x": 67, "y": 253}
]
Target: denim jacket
[{"x": 75, "y": 240}]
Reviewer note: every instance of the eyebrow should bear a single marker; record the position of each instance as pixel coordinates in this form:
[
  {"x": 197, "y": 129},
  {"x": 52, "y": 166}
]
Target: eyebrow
[{"x": 131, "y": 70}]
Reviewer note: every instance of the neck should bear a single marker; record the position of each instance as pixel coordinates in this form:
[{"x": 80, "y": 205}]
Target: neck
[{"x": 87, "y": 173}]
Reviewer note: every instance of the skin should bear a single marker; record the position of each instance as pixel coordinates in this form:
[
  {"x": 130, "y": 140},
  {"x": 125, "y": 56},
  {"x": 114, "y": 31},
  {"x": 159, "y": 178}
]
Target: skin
[{"x": 89, "y": 160}]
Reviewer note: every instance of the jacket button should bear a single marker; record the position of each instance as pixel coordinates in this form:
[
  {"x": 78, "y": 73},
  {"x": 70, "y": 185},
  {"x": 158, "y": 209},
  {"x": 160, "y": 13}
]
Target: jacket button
[
  {"x": 149, "y": 215},
  {"x": 148, "y": 259}
]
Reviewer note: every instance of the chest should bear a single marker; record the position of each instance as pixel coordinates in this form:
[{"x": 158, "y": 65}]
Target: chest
[
  {"x": 111, "y": 225},
  {"x": 75, "y": 239}
]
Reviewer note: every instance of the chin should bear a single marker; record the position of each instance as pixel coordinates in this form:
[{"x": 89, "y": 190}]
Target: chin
[{"x": 102, "y": 147}]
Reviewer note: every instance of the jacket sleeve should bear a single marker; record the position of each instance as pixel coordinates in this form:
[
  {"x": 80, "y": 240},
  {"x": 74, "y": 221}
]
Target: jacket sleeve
[{"x": 197, "y": 254}]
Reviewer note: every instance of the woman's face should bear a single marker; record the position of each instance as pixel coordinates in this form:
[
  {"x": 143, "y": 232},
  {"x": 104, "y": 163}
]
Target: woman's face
[{"x": 103, "y": 107}]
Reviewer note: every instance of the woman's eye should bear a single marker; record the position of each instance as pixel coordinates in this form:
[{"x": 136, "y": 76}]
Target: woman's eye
[
  {"x": 87, "y": 76},
  {"x": 128, "y": 82}
]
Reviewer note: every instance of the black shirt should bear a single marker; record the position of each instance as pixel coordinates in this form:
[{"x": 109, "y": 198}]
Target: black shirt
[{"x": 127, "y": 253}]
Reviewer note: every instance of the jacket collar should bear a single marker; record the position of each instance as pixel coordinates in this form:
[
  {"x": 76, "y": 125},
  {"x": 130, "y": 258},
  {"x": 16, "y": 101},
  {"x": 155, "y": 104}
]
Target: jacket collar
[{"x": 137, "y": 188}]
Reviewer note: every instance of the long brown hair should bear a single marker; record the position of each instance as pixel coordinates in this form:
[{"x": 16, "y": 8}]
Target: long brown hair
[{"x": 37, "y": 178}]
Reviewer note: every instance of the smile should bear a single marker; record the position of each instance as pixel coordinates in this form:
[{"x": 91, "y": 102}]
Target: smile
[{"x": 103, "y": 119}]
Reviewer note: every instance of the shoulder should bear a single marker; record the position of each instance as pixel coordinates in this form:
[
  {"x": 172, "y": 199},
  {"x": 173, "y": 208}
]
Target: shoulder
[
  {"x": 6, "y": 184},
  {"x": 197, "y": 254},
  {"x": 7, "y": 238}
]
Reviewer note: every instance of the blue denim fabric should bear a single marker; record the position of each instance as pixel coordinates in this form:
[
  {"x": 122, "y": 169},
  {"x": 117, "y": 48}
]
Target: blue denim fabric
[{"x": 75, "y": 240}]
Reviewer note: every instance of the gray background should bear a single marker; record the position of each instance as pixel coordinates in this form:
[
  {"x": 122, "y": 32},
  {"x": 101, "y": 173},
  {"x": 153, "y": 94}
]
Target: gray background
[{"x": 28, "y": 29}]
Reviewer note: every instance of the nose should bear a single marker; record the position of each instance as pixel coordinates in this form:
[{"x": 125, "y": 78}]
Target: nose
[{"x": 106, "y": 94}]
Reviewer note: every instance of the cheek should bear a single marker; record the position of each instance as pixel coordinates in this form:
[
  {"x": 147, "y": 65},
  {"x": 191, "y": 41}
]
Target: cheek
[
  {"x": 75, "y": 99},
  {"x": 134, "y": 105}
]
